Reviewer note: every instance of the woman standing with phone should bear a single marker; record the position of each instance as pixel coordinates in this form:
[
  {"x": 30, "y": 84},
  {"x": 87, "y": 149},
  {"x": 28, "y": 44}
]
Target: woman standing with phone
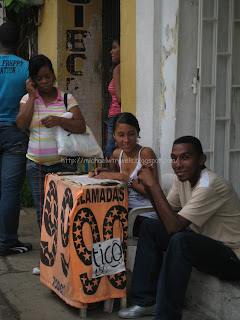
[{"x": 40, "y": 110}]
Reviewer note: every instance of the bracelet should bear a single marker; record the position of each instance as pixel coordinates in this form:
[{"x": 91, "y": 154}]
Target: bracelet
[{"x": 130, "y": 181}]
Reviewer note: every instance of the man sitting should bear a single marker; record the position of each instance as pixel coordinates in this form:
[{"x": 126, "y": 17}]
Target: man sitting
[{"x": 199, "y": 225}]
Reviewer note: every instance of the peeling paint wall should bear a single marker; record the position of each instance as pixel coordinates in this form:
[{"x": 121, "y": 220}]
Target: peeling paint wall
[
  {"x": 70, "y": 34},
  {"x": 79, "y": 56},
  {"x": 156, "y": 60},
  {"x": 169, "y": 51}
]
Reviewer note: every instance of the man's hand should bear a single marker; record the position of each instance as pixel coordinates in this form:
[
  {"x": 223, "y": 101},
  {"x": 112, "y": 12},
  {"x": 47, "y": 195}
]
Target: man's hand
[
  {"x": 51, "y": 121},
  {"x": 146, "y": 177}
]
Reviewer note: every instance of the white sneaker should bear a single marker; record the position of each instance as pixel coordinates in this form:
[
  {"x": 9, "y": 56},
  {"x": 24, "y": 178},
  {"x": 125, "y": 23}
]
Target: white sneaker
[
  {"x": 135, "y": 311},
  {"x": 36, "y": 271}
]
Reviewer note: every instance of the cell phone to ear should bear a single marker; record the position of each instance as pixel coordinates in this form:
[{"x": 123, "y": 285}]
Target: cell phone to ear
[{"x": 34, "y": 84}]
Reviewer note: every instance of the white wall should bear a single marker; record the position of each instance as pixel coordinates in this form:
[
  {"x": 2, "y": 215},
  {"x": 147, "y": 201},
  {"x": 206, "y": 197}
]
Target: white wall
[
  {"x": 156, "y": 63},
  {"x": 144, "y": 69}
]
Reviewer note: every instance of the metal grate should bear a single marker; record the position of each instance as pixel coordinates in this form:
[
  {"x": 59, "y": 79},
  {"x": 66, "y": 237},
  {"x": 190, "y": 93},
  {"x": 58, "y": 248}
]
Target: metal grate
[{"x": 218, "y": 93}]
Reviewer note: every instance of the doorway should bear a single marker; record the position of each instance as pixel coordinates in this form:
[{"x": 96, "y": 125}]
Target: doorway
[{"x": 110, "y": 29}]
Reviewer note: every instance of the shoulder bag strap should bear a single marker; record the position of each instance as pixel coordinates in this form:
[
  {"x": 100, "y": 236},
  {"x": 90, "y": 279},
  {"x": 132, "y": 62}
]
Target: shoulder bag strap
[{"x": 65, "y": 100}]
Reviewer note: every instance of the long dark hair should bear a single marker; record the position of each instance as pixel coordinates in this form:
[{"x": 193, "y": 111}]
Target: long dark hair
[{"x": 126, "y": 118}]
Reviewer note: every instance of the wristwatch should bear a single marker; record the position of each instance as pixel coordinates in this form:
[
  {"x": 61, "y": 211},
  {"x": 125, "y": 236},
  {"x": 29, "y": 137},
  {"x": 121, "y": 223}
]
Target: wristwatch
[{"x": 130, "y": 181}]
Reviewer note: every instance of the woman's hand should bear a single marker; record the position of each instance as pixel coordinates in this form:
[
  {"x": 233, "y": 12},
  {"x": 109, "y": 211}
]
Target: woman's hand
[
  {"x": 30, "y": 86},
  {"x": 51, "y": 121},
  {"x": 97, "y": 171},
  {"x": 25, "y": 114},
  {"x": 112, "y": 175},
  {"x": 76, "y": 124}
]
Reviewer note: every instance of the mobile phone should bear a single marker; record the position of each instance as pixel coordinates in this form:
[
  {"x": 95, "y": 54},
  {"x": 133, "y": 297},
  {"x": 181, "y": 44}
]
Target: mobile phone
[
  {"x": 34, "y": 83},
  {"x": 108, "y": 184},
  {"x": 77, "y": 173}
]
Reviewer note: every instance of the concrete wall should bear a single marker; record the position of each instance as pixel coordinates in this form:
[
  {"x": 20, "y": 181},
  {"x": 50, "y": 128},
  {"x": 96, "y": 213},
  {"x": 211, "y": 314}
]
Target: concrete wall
[
  {"x": 145, "y": 69},
  {"x": 168, "y": 83},
  {"x": 156, "y": 61},
  {"x": 187, "y": 67},
  {"x": 47, "y": 31}
]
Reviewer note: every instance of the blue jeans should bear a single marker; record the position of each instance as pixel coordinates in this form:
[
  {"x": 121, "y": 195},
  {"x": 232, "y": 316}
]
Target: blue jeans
[
  {"x": 13, "y": 147},
  {"x": 111, "y": 146},
  {"x": 36, "y": 177},
  {"x": 165, "y": 279}
]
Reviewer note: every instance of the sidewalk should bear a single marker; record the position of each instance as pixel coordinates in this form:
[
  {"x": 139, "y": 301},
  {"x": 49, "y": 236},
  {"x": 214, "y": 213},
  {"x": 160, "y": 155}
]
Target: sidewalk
[{"x": 22, "y": 296}]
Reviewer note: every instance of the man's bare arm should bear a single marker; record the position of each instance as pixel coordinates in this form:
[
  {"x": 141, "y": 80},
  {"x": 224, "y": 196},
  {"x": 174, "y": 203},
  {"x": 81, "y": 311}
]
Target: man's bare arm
[{"x": 172, "y": 221}]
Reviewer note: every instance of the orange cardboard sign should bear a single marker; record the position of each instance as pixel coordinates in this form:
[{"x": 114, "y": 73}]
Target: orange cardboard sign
[{"x": 74, "y": 218}]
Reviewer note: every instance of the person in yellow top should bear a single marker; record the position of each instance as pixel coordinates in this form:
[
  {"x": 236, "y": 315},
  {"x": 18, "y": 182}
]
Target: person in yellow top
[{"x": 199, "y": 225}]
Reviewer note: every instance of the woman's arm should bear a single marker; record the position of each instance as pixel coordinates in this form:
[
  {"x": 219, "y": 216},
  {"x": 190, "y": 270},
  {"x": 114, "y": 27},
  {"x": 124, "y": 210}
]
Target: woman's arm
[
  {"x": 172, "y": 221},
  {"x": 97, "y": 171},
  {"x": 112, "y": 173},
  {"x": 117, "y": 84},
  {"x": 147, "y": 157},
  {"x": 75, "y": 125},
  {"x": 25, "y": 114}
]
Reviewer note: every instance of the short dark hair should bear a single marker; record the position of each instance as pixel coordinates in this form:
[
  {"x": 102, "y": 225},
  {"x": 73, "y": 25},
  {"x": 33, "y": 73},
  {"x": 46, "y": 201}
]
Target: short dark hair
[
  {"x": 193, "y": 140},
  {"x": 36, "y": 63},
  {"x": 126, "y": 118},
  {"x": 9, "y": 34}
]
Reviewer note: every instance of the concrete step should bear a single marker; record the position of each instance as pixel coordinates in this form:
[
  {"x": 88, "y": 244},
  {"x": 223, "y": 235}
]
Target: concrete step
[
  {"x": 216, "y": 298},
  {"x": 190, "y": 312},
  {"x": 219, "y": 299}
]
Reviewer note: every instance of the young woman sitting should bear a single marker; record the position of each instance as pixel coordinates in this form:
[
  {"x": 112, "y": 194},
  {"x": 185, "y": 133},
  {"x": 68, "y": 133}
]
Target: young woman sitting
[{"x": 127, "y": 160}]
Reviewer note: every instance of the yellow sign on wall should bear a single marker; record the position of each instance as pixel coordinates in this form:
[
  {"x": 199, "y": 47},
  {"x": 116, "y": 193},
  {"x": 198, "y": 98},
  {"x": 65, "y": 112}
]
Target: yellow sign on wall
[
  {"x": 75, "y": 48},
  {"x": 79, "y": 56}
]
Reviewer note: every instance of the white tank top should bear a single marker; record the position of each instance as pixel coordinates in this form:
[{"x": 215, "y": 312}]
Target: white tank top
[{"x": 135, "y": 199}]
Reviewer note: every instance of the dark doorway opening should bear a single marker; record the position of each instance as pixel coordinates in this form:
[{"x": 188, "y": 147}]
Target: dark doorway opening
[{"x": 110, "y": 29}]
